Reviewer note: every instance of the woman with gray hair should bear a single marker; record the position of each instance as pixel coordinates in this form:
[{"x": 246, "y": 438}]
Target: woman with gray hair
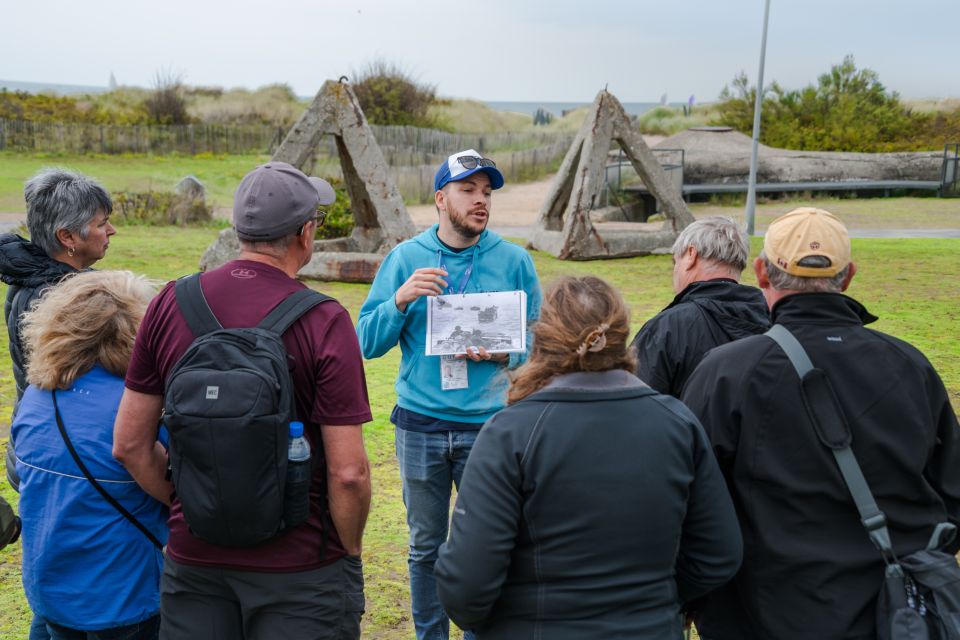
[{"x": 68, "y": 216}]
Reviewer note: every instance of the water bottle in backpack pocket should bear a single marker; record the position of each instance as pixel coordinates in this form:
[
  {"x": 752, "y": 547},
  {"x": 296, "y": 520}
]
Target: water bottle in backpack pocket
[{"x": 296, "y": 493}]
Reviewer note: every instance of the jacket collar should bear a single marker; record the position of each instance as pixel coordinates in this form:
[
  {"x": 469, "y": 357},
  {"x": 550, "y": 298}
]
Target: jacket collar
[
  {"x": 614, "y": 379},
  {"x": 820, "y": 308},
  {"x": 704, "y": 288}
]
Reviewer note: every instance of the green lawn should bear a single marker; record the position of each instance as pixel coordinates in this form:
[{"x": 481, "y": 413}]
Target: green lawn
[
  {"x": 220, "y": 174},
  {"x": 913, "y": 285}
]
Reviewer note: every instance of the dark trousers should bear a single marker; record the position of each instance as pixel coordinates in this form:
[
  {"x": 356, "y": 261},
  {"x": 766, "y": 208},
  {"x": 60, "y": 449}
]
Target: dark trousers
[
  {"x": 145, "y": 630},
  {"x": 222, "y": 604}
]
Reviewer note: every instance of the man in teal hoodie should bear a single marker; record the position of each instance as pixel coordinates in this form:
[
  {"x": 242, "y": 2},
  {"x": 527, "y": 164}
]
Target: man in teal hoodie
[{"x": 437, "y": 420}]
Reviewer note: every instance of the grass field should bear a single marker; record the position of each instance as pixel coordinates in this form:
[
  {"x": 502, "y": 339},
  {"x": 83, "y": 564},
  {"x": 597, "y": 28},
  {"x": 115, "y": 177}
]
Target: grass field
[
  {"x": 913, "y": 285},
  {"x": 220, "y": 174}
]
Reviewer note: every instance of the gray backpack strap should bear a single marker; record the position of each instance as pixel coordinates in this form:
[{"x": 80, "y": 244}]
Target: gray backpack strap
[
  {"x": 193, "y": 305},
  {"x": 290, "y": 309},
  {"x": 874, "y": 521}
]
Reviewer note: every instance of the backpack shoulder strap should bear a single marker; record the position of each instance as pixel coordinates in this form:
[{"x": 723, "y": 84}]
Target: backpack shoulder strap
[
  {"x": 873, "y": 520},
  {"x": 193, "y": 305},
  {"x": 792, "y": 347},
  {"x": 290, "y": 310}
]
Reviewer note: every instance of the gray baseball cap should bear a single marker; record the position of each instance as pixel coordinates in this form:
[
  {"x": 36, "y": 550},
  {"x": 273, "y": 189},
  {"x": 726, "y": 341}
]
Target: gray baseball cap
[{"x": 275, "y": 199}]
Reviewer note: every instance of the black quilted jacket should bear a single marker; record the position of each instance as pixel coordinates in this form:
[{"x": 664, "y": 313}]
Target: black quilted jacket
[{"x": 28, "y": 272}]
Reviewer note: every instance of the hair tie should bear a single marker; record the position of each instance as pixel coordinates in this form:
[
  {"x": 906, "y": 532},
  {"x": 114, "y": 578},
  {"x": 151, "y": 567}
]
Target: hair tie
[{"x": 595, "y": 341}]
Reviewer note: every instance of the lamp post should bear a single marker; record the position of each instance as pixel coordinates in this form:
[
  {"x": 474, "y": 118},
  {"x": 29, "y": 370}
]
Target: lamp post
[{"x": 752, "y": 186}]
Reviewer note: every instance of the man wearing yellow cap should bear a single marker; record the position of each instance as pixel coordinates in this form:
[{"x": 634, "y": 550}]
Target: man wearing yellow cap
[{"x": 810, "y": 570}]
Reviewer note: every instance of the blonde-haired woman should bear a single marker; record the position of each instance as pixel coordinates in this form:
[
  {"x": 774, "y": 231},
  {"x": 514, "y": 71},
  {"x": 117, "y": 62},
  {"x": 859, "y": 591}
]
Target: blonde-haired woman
[
  {"x": 89, "y": 571},
  {"x": 592, "y": 506}
]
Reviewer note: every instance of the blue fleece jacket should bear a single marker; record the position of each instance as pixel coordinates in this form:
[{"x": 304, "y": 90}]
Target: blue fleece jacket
[{"x": 500, "y": 266}]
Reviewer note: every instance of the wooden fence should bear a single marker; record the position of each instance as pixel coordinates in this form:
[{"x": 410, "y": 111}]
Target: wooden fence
[
  {"x": 416, "y": 182},
  {"x": 405, "y": 145},
  {"x": 46, "y": 137},
  {"x": 412, "y": 154}
]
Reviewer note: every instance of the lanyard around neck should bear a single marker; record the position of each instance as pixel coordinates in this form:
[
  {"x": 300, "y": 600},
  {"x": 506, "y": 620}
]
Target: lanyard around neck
[{"x": 465, "y": 278}]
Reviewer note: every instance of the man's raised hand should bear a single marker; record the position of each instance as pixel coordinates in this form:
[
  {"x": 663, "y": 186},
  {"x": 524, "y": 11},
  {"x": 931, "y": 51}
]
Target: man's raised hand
[{"x": 424, "y": 282}]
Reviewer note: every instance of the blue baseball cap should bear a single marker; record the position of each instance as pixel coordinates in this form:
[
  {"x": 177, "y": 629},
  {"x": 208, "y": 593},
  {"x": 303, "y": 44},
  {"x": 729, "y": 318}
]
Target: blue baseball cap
[{"x": 453, "y": 169}]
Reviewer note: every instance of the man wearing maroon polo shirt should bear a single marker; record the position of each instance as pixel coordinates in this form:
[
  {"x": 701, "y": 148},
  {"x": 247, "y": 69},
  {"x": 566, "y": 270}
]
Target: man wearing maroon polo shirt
[{"x": 308, "y": 581}]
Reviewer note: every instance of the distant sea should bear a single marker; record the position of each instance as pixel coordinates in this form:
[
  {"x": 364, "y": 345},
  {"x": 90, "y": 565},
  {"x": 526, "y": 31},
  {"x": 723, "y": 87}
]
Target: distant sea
[
  {"x": 43, "y": 87},
  {"x": 557, "y": 108}
]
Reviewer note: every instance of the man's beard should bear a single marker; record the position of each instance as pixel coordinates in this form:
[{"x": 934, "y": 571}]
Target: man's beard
[{"x": 461, "y": 228}]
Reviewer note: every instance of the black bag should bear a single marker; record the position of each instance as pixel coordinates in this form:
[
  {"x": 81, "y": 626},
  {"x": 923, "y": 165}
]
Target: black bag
[
  {"x": 920, "y": 596},
  {"x": 228, "y": 403}
]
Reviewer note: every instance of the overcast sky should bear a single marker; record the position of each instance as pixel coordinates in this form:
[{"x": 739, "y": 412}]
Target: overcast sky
[{"x": 557, "y": 50}]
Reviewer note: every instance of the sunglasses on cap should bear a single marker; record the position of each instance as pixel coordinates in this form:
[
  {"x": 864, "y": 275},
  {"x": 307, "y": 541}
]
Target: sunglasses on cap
[{"x": 472, "y": 162}]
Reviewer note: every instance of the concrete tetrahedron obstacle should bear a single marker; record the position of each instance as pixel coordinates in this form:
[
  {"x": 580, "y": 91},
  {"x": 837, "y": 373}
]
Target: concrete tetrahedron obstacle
[
  {"x": 381, "y": 220},
  {"x": 564, "y": 227}
]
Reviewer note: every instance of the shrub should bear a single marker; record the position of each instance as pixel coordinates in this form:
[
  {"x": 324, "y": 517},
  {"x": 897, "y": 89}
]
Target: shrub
[
  {"x": 849, "y": 109},
  {"x": 388, "y": 95},
  {"x": 166, "y": 104},
  {"x": 157, "y": 208},
  {"x": 339, "y": 220}
]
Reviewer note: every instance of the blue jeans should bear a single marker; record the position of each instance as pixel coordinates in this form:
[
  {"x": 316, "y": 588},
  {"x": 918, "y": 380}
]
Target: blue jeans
[
  {"x": 430, "y": 464},
  {"x": 146, "y": 630},
  {"x": 38, "y": 629}
]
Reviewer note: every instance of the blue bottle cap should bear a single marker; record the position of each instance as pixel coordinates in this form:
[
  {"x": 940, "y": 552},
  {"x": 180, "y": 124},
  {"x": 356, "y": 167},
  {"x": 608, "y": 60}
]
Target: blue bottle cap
[{"x": 296, "y": 429}]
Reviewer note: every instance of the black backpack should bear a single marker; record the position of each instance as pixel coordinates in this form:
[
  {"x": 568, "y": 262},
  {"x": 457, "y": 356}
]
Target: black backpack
[{"x": 228, "y": 404}]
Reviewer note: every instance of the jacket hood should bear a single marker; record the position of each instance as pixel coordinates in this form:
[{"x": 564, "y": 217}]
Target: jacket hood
[
  {"x": 738, "y": 309},
  {"x": 488, "y": 240},
  {"x": 24, "y": 264}
]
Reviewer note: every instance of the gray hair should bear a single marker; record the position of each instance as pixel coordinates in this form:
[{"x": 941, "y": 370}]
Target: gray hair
[
  {"x": 716, "y": 238},
  {"x": 60, "y": 199},
  {"x": 783, "y": 281}
]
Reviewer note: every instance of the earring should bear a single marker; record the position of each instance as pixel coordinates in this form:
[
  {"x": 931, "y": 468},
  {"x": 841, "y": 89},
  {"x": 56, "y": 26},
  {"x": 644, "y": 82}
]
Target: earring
[{"x": 70, "y": 251}]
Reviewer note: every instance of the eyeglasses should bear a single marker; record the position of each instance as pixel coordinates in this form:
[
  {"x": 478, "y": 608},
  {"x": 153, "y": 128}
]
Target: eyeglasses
[
  {"x": 319, "y": 219},
  {"x": 472, "y": 162}
]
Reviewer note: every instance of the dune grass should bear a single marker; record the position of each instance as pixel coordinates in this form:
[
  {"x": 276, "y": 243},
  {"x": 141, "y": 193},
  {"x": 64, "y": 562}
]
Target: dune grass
[{"x": 913, "y": 285}]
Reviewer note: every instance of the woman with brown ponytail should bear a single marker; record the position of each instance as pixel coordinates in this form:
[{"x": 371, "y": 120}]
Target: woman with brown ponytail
[{"x": 592, "y": 506}]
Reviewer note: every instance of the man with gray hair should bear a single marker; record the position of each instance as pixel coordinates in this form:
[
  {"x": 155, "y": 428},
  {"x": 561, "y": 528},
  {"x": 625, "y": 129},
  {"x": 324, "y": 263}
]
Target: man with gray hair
[
  {"x": 306, "y": 582},
  {"x": 711, "y": 307},
  {"x": 810, "y": 570}
]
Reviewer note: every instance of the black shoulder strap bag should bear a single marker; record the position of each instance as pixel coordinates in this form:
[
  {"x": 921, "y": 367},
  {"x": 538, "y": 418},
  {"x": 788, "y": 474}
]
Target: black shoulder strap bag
[
  {"x": 920, "y": 596},
  {"x": 96, "y": 485}
]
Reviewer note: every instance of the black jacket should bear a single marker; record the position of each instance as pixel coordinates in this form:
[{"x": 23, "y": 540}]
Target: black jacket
[
  {"x": 590, "y": 509},
  {"x": 29, "y": 272},
  {"x": 703, "y": 316},
  {"x": 809, "y": 570}
]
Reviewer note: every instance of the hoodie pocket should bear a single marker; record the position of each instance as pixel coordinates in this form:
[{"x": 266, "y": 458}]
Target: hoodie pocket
[{"x": 412, "y": 363}]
